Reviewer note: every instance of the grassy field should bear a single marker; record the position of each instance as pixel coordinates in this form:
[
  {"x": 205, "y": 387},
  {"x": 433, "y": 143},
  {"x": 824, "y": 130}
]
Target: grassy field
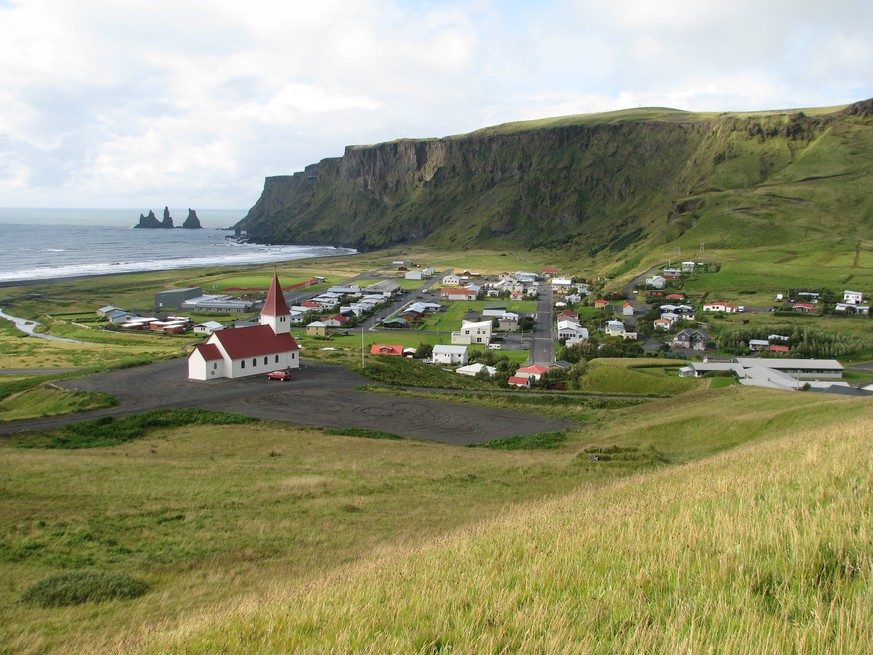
[
  {"x": 247, "y": 535},
  {"x": 765, "y": 549}
]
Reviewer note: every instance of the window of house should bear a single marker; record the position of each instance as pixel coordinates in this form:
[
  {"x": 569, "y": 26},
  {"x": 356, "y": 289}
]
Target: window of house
[
  {"x": 277, "y": 359},
  {"x": 265, "y": 361},
  {"x": 254, "y": 362},
  {"x": 242, "y": 364},
  {"x": 214, "y": 366}
]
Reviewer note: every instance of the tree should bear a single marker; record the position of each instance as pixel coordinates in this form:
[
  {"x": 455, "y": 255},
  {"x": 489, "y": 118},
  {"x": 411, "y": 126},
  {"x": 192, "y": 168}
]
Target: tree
[
  {"x": 526, "y": 323},
  {"x": 423, "y": 351}
]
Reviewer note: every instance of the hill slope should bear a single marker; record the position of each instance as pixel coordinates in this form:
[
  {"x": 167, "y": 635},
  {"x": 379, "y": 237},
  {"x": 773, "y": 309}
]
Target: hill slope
[
  {"x": 610, "y": 183},
  {"x": 762, "y": 549}
]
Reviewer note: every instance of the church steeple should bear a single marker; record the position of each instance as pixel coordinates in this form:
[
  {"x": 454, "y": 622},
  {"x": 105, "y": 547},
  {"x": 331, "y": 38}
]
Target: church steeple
[{"x": 275, "y": 312}]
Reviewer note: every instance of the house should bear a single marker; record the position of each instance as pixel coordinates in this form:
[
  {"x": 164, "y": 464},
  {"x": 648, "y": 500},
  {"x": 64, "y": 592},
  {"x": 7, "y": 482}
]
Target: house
[
  {"x": 104, "y": 311},
  {"x": 384, "y": 349},
  {"x": 247, "y": 351},
  {"x": 656, "y": 282},
  {"x": 519, "y": 381},
  {"x": 472, "y": 332},
  {"x": 568, "y": 315},
  {"x": 853, "y": 297},
  {"x": 525, "y": 277},
  {"x": 725, "y": 307},
  {"x": 208, "y": 327},
  {"x": 414, "y": 275},
  {"x": 335, "y": 321},
  {"x": 571, "y": 330},
  {"x": 675, "y": 296},
  {"x": 694, "y": 339},
  {"x": 759, "y": 344},
  {"x": 508, "y": 322},
  {"x": 449, "y": 354},
  {"x": 476, "y": 369},
  {"x": 561, "y": 283},
  {"x": 534, "y": 372},
  {"x": 779, "y": 349},
  {"x": 452, "y": 280},
  {"x": 803, "y": 308},
  {"x": 316, "y": 329},
  {"x": 784, "y": 374},
  {"x": 459, "y": 293},
  {"x": 397, "y": 322},
  {"x": 615, "y": 329},
  {"x": 662, "y": 323},
  {"x": 687, "y": 267},
  {"x": 550, "y": 272},
  {"x": 600, "y": 303},
  {"x": 428, "y": 271},
  {"x": 627, "y": 309}
]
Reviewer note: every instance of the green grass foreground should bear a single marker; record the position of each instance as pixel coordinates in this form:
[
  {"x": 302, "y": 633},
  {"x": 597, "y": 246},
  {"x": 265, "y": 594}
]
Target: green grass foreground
[
  {"x": 266, "y": 538},
  {"x": 766, "y": 549}
]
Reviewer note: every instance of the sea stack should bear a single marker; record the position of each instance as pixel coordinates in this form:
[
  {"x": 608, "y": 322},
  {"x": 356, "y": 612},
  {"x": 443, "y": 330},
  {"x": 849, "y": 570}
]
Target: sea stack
[
  {"x": 168, "y": 220},
  {"x": 150, "y": 221},
  {"x": 192, "y": 222}
]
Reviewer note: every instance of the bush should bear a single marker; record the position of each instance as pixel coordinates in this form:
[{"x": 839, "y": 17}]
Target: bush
[
  {"x": 539, "y": 441},
  {"x": 77, "y": 587}
]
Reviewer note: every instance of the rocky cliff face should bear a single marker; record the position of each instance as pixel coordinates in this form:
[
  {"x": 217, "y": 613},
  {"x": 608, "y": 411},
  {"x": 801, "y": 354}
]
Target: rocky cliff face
[{"x": 596, "y": 183}]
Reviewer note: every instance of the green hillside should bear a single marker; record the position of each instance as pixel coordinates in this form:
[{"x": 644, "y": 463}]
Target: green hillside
[{"x": 615, "y": 187}]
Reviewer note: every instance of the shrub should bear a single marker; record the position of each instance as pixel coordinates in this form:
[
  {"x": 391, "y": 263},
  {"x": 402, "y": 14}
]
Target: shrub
[
  {"x": 77, "y": 587},
  {"x": 539, "y": 441}
]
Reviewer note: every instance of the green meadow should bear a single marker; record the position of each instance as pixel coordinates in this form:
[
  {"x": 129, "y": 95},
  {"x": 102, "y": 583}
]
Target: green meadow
[{"x": 247, "y": 537}]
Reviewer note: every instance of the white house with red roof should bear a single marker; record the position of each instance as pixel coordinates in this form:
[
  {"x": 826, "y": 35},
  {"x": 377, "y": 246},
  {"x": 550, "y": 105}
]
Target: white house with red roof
[
  {"x": 253, "y": 350},
  {"x": 534, "y": 372}
]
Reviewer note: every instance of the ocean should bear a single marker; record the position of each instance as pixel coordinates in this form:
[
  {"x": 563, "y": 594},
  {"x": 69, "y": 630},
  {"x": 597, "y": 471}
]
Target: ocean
[{"x": 38, "y": 244}]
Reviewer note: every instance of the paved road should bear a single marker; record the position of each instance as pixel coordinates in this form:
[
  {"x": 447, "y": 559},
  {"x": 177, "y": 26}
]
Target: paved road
[
  {"x": 319, "y": 395},
  {"x": 542, "y": 349}
]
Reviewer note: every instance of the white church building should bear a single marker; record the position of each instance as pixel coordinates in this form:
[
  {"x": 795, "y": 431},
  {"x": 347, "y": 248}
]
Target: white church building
[{"x": 255, "y": 350}]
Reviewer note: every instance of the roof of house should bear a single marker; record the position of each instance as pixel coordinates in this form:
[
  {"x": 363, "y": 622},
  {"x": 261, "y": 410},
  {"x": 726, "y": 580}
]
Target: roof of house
[
  {"x": 454, "y": 350},
  {"x": 536, "y": 368},
  {"x": 275, "y": 304},
  {"x": 209, "y": 352},
  {"x": 253, "y": 341},
  {"x": 385, "y": 349},
  {"x": 519, "y": 380},
  {"x": 339, "y": 317}
]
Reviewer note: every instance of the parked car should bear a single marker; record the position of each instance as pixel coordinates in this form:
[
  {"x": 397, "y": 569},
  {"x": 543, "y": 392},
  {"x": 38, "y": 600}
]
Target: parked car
[{"x": 282, "y": 376}]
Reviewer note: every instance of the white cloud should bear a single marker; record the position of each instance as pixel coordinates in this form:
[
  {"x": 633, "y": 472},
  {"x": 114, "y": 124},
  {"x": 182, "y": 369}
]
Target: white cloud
[{"x": 168, "y": 102}]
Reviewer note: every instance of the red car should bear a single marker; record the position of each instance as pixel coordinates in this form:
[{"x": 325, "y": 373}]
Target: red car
[{"x": 282, "y": 376}]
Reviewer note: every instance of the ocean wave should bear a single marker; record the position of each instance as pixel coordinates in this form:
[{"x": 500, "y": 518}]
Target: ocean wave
[{"x": 243, "y": 255}]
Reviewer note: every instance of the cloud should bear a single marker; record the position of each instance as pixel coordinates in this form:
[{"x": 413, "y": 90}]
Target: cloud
[{"x": 181, "y": 103}]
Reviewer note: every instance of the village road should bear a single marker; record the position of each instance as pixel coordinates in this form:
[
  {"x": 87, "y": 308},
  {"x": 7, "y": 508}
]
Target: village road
[{"x": 317, "y": 395}]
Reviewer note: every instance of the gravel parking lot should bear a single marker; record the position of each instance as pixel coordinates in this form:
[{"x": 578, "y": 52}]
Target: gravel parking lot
[{"x": 317, "y": 395}]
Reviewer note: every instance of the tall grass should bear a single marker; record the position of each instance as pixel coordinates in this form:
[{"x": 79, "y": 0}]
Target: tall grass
[{"x": 766, "y": 549}]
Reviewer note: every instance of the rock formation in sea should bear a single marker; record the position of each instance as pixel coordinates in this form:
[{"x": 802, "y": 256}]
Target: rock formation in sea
[
  {"x": 150, "y": 221},
  {"x": 192, "y": 221},
  {"x": 168, "y": 220}
]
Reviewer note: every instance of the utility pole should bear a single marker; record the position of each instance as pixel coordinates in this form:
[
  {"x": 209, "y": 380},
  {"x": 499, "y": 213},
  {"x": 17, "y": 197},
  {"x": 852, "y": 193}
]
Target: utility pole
[{"x": 362, "y": 345}]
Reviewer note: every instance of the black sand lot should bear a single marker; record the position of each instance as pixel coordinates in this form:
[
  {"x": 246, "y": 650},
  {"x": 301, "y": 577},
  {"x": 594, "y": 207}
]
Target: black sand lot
[{"x": 318, "y": 395}]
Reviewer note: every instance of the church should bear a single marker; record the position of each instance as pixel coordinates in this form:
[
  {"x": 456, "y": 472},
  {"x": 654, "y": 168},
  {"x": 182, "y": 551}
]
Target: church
[{"x": 255, "y": 350}]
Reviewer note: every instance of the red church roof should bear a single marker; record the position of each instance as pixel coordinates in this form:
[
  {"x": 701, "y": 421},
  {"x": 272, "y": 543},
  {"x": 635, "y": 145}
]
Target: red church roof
[
  {"x": 275, "y": 304},
  {"x": 254, "y": 341},
  {"x": 209, "y": 352}
]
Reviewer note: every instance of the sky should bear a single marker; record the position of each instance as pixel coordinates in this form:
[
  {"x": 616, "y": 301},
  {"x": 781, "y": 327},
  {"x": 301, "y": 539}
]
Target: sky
[{"x": 116, "y": 103}]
